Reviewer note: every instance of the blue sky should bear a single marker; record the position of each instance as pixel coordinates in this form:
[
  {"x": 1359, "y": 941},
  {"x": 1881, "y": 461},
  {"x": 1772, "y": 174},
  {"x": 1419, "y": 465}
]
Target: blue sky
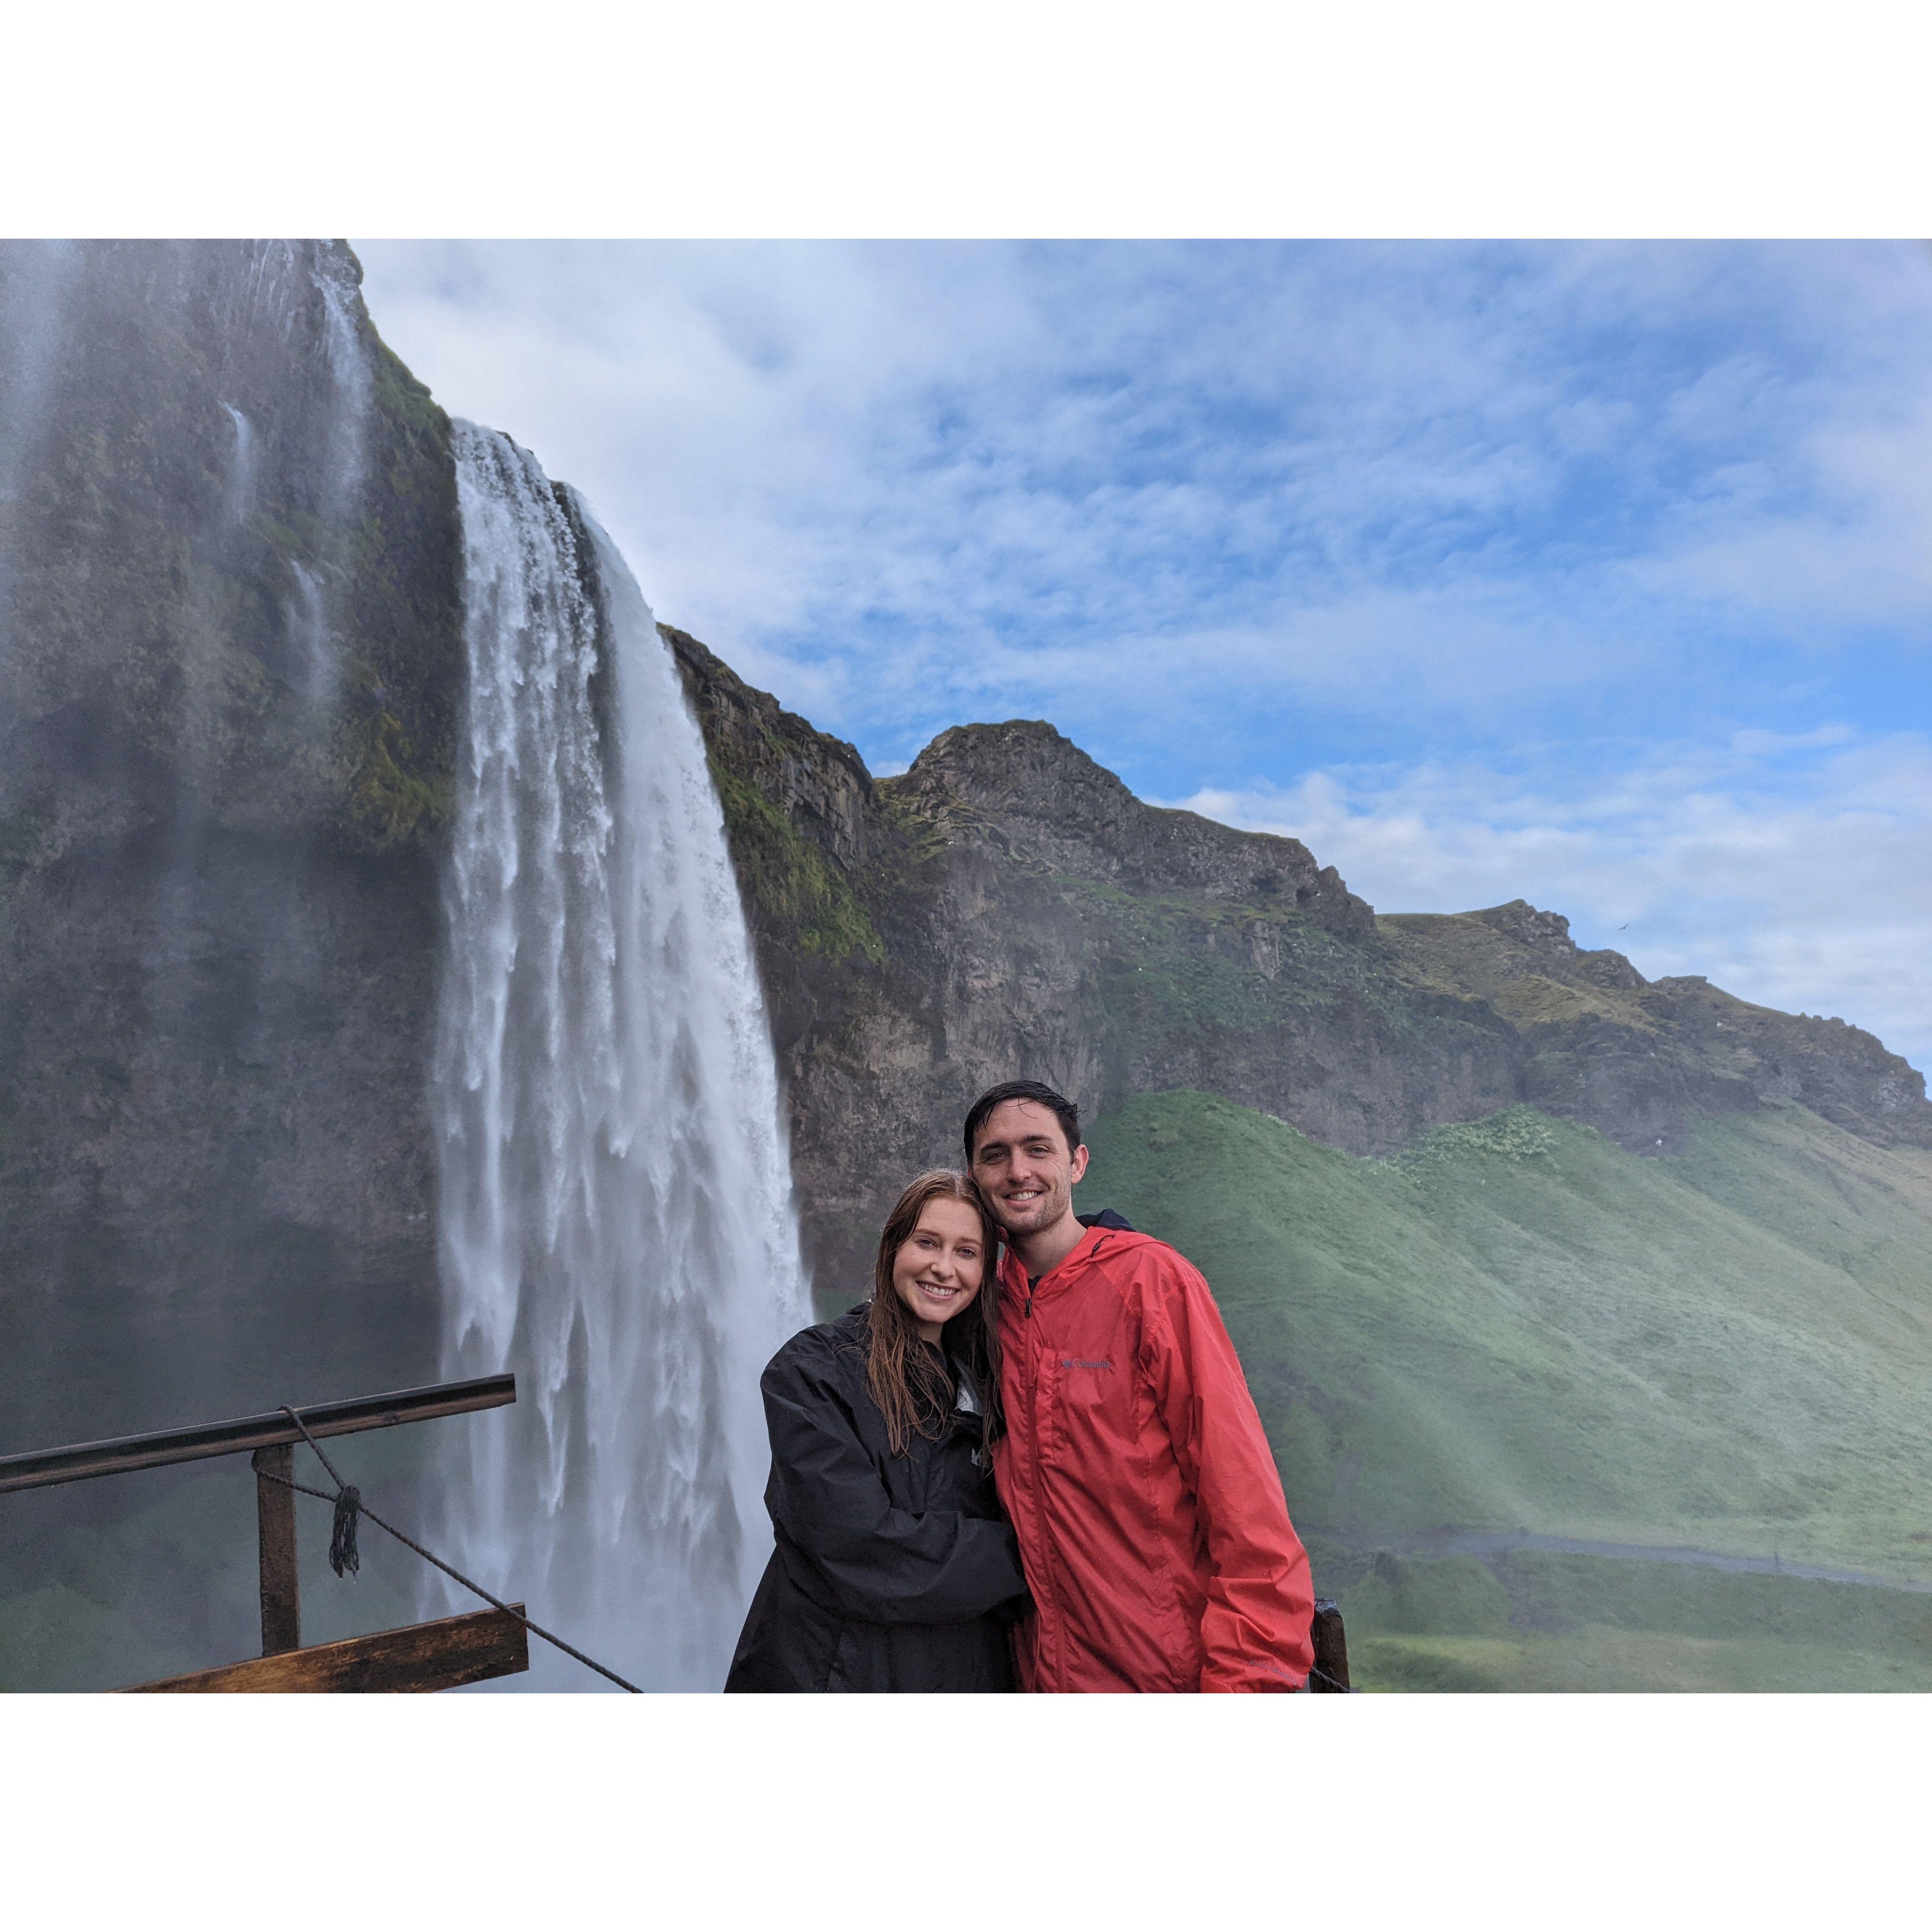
[{"x": 1598, "y": 575}]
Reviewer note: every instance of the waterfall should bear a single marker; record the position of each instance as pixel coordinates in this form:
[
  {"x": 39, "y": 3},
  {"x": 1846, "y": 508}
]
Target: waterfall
[
  {"x": 617, "y": 1223},
  {"x": 314, "y": 614}
]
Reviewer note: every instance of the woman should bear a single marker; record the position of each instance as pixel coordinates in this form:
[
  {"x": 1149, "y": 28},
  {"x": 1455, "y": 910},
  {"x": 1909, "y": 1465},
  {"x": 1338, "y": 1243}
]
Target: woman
[{"x": 894, "y": 1569}]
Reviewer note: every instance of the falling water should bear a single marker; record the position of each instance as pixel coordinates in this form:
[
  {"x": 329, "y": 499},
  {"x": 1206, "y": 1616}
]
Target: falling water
[
  {"x": 349, "y": 366},
  {"x": 308, "y": 625},
  {"x": 241, "y": 473},
  {"x": 616, "y": 1224},
  {"x": 314, "y": 613}
]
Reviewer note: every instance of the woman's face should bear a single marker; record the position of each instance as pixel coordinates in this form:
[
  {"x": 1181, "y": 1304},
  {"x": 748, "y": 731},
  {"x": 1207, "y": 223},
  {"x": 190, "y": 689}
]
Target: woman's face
[{"x": 941, "y": 1264}]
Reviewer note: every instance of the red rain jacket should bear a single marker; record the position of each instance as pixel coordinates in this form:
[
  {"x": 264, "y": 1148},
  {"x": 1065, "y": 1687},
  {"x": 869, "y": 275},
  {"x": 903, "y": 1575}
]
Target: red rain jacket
[{"x": 1150, "y": 1518}]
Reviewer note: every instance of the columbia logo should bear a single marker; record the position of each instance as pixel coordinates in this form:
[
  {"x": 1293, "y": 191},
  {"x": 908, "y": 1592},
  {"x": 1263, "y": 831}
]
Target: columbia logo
[{"x": 1075, "y": 1362}]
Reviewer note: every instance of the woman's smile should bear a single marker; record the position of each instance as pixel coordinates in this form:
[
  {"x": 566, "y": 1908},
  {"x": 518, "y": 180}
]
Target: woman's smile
[{"x": 941, "y": 1264}]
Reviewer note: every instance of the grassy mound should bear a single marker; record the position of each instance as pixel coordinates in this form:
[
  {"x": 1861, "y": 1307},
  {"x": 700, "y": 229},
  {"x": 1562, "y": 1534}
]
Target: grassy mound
[{"x": 1517, "y": 1326}]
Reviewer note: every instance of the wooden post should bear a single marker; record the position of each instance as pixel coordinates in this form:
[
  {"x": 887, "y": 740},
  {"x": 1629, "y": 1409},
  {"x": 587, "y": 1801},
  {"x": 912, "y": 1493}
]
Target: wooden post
[
  {"x": 275, "y": 1512},
  {"x": 1331, "y": 1649}
]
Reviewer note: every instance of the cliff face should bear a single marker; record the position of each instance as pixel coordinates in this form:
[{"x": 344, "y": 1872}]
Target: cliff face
[
  {"x": 1638, "y": 1058},
  {"x": 1008, "y": 909},
  {"x": 230, "y": 668}
]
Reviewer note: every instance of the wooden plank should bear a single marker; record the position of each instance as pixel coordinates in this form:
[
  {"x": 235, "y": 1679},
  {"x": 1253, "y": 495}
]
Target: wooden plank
[
  {"x": 37, "y": 1467},
  {"x": 275, "y": 1516},
  {"x": 1331, "y": 1647},
  {"x": 424, "y": 1656}
]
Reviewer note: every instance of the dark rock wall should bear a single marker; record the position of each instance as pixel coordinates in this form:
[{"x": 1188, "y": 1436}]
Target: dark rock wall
[
  {"x": 1008, "y": 909},
  {"x": 230, "y": 672}
]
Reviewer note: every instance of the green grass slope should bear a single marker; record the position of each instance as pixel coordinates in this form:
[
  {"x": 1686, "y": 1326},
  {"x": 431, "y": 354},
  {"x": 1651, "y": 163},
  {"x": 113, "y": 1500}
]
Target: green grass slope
[
  {"x": 1516, "y": 1325},
  {"x": 1533, "y": 1620}
]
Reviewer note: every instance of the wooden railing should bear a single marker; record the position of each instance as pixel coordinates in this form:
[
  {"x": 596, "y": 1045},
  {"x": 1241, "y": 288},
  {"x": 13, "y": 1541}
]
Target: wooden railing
[{"x": 435, "y": 1656}]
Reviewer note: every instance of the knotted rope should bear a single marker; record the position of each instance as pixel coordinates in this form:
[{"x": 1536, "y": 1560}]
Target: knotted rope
[{"x": 343, "y": 1558}]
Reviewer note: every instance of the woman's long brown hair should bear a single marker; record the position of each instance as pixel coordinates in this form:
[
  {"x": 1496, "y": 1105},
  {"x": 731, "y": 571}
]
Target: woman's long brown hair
[{"x": 908, "y": 1379}]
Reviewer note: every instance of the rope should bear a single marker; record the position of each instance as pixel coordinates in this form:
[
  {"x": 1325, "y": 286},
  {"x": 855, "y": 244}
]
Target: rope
[
  {"x": 349, "y": 1505},
  {"x": 342, "y": 1556}
]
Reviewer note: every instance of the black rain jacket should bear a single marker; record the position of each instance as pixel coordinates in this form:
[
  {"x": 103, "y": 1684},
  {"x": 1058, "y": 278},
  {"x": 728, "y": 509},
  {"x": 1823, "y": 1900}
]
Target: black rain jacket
[{"x": 891, "y": 1573}]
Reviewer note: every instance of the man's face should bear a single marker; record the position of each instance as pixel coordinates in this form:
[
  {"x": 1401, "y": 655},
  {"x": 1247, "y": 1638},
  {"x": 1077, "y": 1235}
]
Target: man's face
[{"x": 1024, "y": 1167}]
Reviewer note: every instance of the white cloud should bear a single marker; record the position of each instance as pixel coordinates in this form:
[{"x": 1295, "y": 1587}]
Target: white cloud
[
  {"x": 875, "y": 453},
  {"x": 1503, "y": 519},
  {"x": 1857, "y": 548},
  {"x": 1762, "y": 744}
]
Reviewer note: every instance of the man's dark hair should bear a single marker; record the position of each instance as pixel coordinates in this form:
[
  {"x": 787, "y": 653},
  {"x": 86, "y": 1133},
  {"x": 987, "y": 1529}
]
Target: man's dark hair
[{"x": 1061, "y": 1108}]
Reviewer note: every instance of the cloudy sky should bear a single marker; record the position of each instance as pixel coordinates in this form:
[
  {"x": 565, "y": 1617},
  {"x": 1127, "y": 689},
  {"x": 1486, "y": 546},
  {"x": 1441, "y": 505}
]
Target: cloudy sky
[{"x": 1599, "y": 576}]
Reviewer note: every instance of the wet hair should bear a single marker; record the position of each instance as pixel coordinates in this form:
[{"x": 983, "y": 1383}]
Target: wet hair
[
  {"x": 912, "y": 1382},
  {"x": 1058, "y": 1105}
]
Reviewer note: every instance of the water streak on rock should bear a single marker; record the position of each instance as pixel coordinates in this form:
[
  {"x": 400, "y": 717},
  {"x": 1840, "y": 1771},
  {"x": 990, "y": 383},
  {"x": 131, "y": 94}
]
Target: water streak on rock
[
  {"x": 32, "y": 290},
  {"x": 242, "y": 474}
]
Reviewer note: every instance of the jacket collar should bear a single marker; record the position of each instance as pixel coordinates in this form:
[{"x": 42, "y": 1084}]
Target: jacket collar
[{"x": 1064, "y": 1271}]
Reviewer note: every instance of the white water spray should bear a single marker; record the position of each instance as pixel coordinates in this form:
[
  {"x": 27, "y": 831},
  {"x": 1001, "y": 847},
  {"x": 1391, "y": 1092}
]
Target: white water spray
[
  {"x": 314, "y": 612},
  {"x": 242, "y": 472},
  {"x": 617, "y": 1223}
]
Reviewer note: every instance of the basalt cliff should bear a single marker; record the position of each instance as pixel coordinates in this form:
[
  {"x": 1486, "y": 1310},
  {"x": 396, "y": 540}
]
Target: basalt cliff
[{"x": 1007, "y": 908}]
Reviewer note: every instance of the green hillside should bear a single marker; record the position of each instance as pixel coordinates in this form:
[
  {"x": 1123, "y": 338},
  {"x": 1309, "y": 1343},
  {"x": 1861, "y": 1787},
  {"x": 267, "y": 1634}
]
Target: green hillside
[{"x": 1517, "y": 1327}]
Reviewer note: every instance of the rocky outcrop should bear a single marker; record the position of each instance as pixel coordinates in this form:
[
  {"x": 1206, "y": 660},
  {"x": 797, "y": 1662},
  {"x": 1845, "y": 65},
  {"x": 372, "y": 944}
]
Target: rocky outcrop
[
  {"x": 1008, "y": 908},
  {"x": 1027, "y": 793},
  {"x": 230, "y": 671},
  {"x": 1639, "y": 1059}
]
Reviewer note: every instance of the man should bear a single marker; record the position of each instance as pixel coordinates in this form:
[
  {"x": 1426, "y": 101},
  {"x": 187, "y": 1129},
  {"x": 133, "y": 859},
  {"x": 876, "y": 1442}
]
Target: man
[{"x": 1150, "y": 1517}]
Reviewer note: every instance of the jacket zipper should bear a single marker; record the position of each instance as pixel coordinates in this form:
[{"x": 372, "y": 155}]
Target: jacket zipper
[
  {"x": 1050, "y": 1617},
  {"x": 1058, "y": 1671}
]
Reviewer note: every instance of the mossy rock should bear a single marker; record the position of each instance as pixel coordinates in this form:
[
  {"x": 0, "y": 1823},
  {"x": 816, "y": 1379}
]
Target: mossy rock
[{"x": 794, "y": 888}]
